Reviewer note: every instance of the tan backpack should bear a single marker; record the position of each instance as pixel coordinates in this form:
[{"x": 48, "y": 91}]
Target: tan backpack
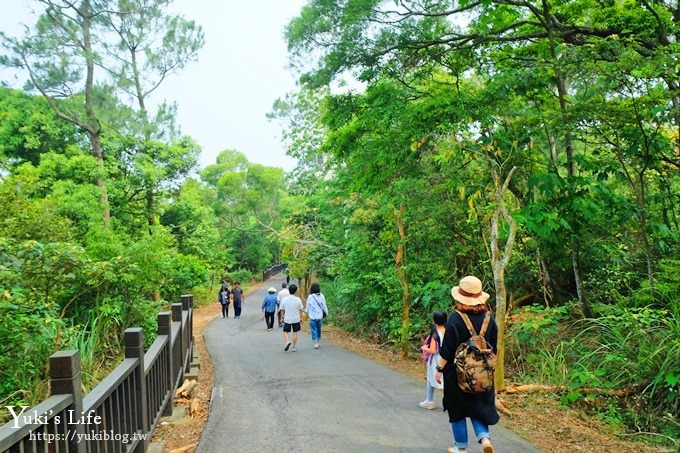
[{"x": 475, "y": 359}]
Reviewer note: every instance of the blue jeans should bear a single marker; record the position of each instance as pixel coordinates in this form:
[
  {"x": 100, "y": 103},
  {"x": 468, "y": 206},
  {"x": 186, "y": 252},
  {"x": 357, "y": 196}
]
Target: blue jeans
[
  {"x": 460, "y": 435},
  {"x": 429, "y": 391},
  {"x": 315, "y": 327}
]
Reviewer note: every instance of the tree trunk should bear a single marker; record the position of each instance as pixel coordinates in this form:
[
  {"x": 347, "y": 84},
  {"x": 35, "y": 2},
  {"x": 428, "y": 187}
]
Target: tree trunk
[
  {"x": 400, "y": 261},
  {"x": 642, "y": 204},
  {"x": 571, "y": 164},
  {"x": 150, "y": 217},
  {"x": 499, "y": 262},
  {"x": 148, "y": 187},
  {"x": 101, "y": 182},
  {"x": 547, "y": 284},
  {"x": 93, "y": 127},
  {"x": 674, "y": 88},
  {"x": 576, "y": 264}
]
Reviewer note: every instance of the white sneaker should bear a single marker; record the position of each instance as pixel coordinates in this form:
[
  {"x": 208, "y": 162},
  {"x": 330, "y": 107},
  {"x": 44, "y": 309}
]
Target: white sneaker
[
  {"x": 455, "y": 449},
  {"x": 426, "y": 404},
  {"x": 316, "y": 345},
  {"x": 486, "y": 445}
]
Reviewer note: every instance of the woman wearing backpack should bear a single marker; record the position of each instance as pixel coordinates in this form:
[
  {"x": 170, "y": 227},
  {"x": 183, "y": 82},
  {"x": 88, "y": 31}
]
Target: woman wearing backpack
[
  {"x": 480, "y": 406},
  {"x": 430, "y": 351}
]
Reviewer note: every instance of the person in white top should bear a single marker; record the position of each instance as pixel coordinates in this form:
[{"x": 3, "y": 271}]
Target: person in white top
[
  {"x": 279, "y": 297},
  {"x": 317, "y": 310},
  {"x": 291, "y": 307},
  {"x": 436, "y": 336}
]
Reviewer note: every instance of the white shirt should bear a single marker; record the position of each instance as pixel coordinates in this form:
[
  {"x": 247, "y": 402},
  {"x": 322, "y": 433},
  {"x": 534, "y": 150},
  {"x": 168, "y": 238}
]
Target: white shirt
[
  {"x": 316, "y": 306},
  {"x": 282, "y": 295},
  {"x": 292, "y": 306}
]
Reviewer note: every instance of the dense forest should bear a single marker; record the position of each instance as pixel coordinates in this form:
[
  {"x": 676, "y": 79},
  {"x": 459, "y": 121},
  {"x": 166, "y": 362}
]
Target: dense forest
[{"x": 534, "y": 144}]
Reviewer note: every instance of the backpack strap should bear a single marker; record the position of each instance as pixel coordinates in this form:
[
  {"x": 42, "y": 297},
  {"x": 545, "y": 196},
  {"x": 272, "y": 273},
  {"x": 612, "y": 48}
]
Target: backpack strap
[
  {"x": 485, "y": 324},
  {"x": 468, "y": 323}
]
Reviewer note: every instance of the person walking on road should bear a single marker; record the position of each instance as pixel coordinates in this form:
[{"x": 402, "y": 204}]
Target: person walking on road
[
  {"x": 223, "y": 299},
  {"x": 317, "y": 310},
  {"x": 238, "y": 298},
  {"x": 282, "y": 295},
  {"x": 269, "y": 306},
  {"x": 479, "y": 407},
  {"x": 292, "y": 308},
  {"x": 431, "y": 349}
]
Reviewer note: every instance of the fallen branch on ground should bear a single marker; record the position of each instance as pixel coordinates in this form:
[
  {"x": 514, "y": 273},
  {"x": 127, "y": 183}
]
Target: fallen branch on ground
[
  {"x": 502, "y": 407},
  {"x": 644, "y": 433},
  {"x": 186, "y": 389},
  {"x": 185, "y": 448},
  {"x": 540, "y": 388},
  {"x": 194, "y": 407}
]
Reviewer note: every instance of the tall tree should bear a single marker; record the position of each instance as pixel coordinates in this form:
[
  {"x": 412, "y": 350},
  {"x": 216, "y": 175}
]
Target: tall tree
[
  {"x": 151, "y": 45},
  {"x": 60, "y": 55},
  {"x": 246, "y": 200}
]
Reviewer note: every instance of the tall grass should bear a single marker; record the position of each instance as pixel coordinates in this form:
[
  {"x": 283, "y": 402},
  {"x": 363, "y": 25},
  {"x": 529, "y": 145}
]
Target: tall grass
[{"x": 625, "y": 348}]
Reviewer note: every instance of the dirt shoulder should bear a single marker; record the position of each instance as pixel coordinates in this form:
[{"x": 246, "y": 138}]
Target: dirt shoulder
[{"x": 534, "y": 416}]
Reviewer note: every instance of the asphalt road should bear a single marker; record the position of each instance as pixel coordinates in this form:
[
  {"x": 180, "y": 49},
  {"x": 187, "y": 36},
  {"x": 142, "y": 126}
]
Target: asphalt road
[{"x": 316, "y": 400}]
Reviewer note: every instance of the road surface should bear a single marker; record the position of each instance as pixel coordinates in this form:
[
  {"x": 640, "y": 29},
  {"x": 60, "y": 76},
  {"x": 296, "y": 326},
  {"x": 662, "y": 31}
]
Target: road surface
[{"x": 316, "y": 400}]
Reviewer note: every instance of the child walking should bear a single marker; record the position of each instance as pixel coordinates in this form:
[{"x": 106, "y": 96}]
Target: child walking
[{"x": 431, "y": 350}]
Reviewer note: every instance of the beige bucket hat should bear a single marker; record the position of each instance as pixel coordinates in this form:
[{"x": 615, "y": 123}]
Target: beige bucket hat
[{"x": 469, "y": 291}]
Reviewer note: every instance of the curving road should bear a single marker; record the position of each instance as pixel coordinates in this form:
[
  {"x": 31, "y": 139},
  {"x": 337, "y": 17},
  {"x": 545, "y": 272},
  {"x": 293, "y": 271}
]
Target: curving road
[{"x": 315, "y": 400}]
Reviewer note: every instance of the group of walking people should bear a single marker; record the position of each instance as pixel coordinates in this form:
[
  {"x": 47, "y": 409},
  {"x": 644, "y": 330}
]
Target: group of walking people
[
  {"x": 471, "y": 317},
  {"x": 290, "y": 309}
]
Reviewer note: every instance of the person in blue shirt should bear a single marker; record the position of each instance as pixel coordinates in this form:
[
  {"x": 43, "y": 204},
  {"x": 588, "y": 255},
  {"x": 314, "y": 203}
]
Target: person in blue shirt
[{"x": 269, "y": 307}]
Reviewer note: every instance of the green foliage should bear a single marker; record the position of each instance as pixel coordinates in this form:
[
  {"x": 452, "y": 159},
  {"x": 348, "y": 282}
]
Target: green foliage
[
  {"x": 31, "y": 330},
  {"x": 623, "y": 348},
  {"x": 241, "y": 275},
  {"x": 29, "y": 128}
]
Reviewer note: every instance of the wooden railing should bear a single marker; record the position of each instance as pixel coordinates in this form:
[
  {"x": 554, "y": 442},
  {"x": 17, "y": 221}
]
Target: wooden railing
[{"x": 122, "y": 411}]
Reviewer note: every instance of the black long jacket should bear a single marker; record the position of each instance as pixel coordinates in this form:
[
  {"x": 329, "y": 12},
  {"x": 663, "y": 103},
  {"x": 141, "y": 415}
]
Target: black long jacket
[{"x": 480, "y": 406}]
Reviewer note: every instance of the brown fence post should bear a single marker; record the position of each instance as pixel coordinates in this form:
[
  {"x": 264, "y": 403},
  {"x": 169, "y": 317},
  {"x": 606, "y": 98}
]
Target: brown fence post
[
  {"x": 134, "y": 349},
  {"x": 186, "y": 306},
  {"x": 178, "y": 367},
  {"x": 164, "y": 320},
  {"x": 65, "y": 379}
]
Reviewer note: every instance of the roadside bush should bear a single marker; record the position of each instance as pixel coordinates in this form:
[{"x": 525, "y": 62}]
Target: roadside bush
[
  {"x": 636, "y": 349},
  {"x": 533, "y": 347},
  {"x": 30, "y": 332}
]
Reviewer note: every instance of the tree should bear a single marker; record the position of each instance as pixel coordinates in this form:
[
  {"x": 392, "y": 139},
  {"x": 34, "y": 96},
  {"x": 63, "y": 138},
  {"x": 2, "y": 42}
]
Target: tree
[
  {"x": 60, "y": 57},
  {"x": 151, "y": 46},
  {"x": 303, "y": 135},
  {"x": 246, "y": 200}
]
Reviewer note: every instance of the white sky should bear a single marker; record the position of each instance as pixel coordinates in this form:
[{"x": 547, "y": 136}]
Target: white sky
[{"x": 224, "y": 97}]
